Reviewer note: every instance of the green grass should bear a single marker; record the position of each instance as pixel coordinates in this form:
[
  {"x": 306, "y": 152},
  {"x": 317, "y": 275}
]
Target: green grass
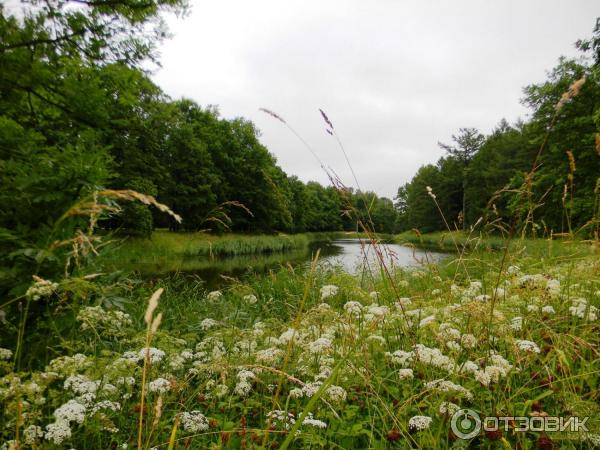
[{"x": 350, "y": 350}]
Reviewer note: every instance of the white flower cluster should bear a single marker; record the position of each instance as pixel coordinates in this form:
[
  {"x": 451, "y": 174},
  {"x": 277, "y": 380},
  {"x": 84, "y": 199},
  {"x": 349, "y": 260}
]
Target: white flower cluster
[
  {"x": 448, "y": 386},
  {"x": 353, "y": 308},
  {"x": 243, "y": 386},
  {"x": 419, "y": 423},
  {"x": 269, "y": 355},
  {"x": 160, "y": 385},
  {"x": 328, "y": 290},
  {"x": 41, "y": 288},
  {"x": 401, "y": 357},
  {"x": 434, "y": 357},
  {"x": 81, "y": 385},
  {"x": 516, "y": 323},
  {"x": 207, "y": 324},
  {"x": 580, "y": 308},
  {"x": 110, "y": 323},
  {"x": 214, "y": 296},
  {"x": 5, "y": 353},
  {"x": 321, "y": 345},
  {"x": 154, "y": 355},
  {"x": 527, "y": 346},
  {"x": 448, "y": 408},
  {"x": 194, "y": 421},
  {"x": 250, "y": 299},
  {"x": 67, "y": 365},
  {"x": 405, "y": 374}
]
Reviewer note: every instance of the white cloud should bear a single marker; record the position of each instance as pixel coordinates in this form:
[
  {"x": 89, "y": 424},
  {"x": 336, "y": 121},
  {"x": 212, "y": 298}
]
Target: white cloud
[{"x": 395, "y": 77}]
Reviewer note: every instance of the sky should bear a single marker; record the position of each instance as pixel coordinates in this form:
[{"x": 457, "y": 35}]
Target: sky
[{"x": 394, "y": 77}]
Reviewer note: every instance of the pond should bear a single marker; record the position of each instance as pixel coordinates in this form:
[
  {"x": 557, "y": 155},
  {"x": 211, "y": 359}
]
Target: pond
[{"x": 353, "y": 255}]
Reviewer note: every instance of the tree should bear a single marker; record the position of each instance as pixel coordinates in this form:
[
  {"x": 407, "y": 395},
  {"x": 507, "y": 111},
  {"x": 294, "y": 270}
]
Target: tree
[{"x": 468, "y": 142}]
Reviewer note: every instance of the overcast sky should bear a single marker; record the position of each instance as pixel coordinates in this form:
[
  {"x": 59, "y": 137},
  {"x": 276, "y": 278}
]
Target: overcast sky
[{"x": 395, "y": 77}]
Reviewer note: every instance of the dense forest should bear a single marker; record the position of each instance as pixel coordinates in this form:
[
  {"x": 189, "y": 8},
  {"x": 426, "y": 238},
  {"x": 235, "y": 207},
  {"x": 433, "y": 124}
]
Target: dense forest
[
  {"x": 80, "y": 114},
  {"x": 558, "y": 145}
]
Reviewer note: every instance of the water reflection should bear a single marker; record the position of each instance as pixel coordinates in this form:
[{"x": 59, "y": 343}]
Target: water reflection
[{"x": 353, "y": 255}]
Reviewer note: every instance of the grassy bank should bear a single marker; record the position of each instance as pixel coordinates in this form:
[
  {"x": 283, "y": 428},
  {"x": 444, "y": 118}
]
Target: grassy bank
[{"x": 314, "y": 359}]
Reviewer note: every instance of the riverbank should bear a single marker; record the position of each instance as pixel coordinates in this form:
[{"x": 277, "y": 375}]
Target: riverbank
[{"x": 351, "y": 362}]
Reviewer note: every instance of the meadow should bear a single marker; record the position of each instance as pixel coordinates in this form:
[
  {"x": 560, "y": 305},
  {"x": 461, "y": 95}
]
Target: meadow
[{"x": 314, "y": 358}]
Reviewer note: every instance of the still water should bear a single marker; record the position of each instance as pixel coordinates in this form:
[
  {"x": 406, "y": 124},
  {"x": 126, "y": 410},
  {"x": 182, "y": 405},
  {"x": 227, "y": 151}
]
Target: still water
[{"x": 353, "y": 255}]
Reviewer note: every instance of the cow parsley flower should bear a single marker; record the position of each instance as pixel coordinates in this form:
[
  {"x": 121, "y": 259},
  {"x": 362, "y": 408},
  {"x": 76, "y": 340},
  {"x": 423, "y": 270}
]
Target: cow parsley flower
[
  {"x": 250, "y": 299},
  {"x": 527, "y": 346},
  {"x": 401, "y": 357},
  {"x": 405, "y": 374},
  {"x": 419, "y": 423},
  {"x": 448, "y": 386},
  {"x": 57, "y": 432},
  {"x": 336, "y": 393},
  {"x": 72, "y": 411},
  {"x": 207, "y": 324},
  {"x": 5, "y": 353},
  {"x": 154, "y": 355},
  {"x": 448, "y": 408},
  {"x": 321, "y": 345},
  {"x": 32, "y": 434},
  {"x": 214, "y": 296},
  {"x": 194, "y": 421},
  {"x": 328, "y": 290},
  {"x": 516, "y": 323},
  {"x": 548, "y": 309},
  {"x": 160, "y": 385},
  {"x": 353, "y": 308}
]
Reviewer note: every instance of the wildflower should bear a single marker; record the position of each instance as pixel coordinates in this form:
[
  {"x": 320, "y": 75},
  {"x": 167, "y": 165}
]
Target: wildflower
[
  {"x": 214, "y": 296},
  {"x": 376, "y": 312},
  {"x": 72, "y": 411},
  {"x": 194, "y": 421},
  {"x": 426, "y": 321},
  {"x": 250, "y": 299},
  {"x": 401, "y": 357},
  {"x": 374, "y": 295},
  {"x": 245, "y": 375},
  {"x": 32, "y": 434},
  {"x": 448, "y": 386},
  {"x": 321, "y": 345},
  {"x": 57, "y": 432},
  {"x": 5, "y": 353},
  {"x": 581, "y": 309},
  {"x": 405, "y": 374},
  {"x": 516, "y": 323},
  {"x": 448, "y": 408},
  {"x": 336, "y": 393},
  {"x": 41, "y": 288},
  {"x": 419, "y": 423},
  {"x": 328, "y": 291},
  {"x": 111, "y": 323},
  {"x": 548, "y": 310},
  {"x": 242, "y": 388},
  {"x": 160, "y": 385},
  {"x": 153, "y": 354},
  {"x": 434, "y": 357},
  {"x": 353, "y": 308},
  {"x": 436, "y": 292},
  {"x": 282, "y": 419},
  {"x": 269, "y": 355},
  {"x": 468, "y": 341},
  {"x": 207, "y": 324},
  {"x": 527, "y": 346},
  {"x": 80, "y": 385},
  {"x": 309, "y": 420},
  {"x": 296, "y": 393},
  {"x": 221, "y": 390}
]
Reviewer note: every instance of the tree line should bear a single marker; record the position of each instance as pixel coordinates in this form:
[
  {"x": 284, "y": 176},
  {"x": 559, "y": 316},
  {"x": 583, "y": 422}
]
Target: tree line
[{"x": 554, "y": 155}]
